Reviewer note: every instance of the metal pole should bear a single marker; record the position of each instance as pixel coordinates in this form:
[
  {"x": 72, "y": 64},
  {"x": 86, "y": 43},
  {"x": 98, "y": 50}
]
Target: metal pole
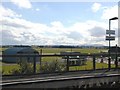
[
  {"x": 67, "y": 63},
  {"x": 94, "y": 63},
  {"x": 116, "y": 62},
  {"x": 34, "y": 65},
  {"x": 109, "y": 60}
]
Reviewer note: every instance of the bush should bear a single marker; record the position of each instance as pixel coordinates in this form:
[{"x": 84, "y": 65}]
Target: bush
[
  {"x": 25, "y": 68},
  {"x": 53, "y": 66}
]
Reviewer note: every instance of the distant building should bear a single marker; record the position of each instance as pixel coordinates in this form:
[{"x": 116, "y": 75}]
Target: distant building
[
  {"x": 19, "y": 51},
  {"x": 74, "y": 60}
]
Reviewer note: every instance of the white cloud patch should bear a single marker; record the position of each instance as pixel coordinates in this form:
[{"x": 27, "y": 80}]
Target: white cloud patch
[
  {"x": 96, "y": 7},
  {"x": 110, "y": 12},
  {"x": 6, "y": 12},
  {"x": 22, "y": 3}
]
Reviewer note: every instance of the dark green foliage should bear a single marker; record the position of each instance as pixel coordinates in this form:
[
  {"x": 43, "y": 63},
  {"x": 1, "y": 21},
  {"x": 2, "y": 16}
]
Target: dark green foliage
[
  {"x": 25, "y": 68},
  {"x": 53, "y": 66}
]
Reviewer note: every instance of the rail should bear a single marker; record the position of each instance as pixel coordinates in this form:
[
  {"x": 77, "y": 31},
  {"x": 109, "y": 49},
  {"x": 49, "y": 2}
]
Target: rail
[
  {"x": 44, "y": 82},
  {"x": 93, "y": 56}
]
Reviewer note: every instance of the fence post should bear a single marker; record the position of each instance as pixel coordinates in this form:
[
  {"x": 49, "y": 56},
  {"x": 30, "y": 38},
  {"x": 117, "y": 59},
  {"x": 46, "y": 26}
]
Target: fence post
[
  {"x": 40, "y": 60},
  {"x": 34, "y": 65},
  {"x": 67, "y": 63},
  {"x": 94, "y": 66}
]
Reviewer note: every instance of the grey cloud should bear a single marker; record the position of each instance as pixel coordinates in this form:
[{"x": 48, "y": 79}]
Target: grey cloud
[
  {"x": 24, "y": 38},
  {"x": 8, "y": 38},
  {"x": 97, "y": 32},
  {"x": 27, "y": 36},
  {"x": 75, "y": 35},
  {"x": 98, "y": 39},
  {"x": 13, "y": 24}
]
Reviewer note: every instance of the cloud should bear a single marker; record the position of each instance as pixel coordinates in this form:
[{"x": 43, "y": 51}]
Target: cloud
[
  {"x": 22, "y": 3},
  {"x": 28, "y": 33},
  {"x": 6, "y": 12},
  {"x": 75, "y": 35},
  {"x": 8, "y": 38},
  {"x": 110, "y": 12},
  {"x": 11, "y": 23},
  {"x": 97, "y": 32},
  {"x": 16, "y": 30},
  {"x": 96, "y": 7},
  {"x": 56, "y": 24}
]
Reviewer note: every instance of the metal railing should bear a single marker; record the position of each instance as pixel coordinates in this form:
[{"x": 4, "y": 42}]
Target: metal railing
[{"x": 67, "y": 66}]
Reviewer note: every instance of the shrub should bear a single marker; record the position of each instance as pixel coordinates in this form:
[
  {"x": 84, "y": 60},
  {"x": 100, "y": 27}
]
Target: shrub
[
  {"x": 25, "y": 68},
  {"x": 53, "y": 66}
]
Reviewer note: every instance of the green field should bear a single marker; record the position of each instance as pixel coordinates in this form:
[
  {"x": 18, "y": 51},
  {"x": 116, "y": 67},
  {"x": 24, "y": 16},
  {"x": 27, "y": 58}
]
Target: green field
[
  {"x": 89, "y": 66},
  {"x": 7, "y": 69},
  {"x": 58, "y": 50}
]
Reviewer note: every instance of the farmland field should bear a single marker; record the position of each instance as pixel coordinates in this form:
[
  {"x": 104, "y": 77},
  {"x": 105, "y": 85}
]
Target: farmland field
[{"x": 58, "y": 50}]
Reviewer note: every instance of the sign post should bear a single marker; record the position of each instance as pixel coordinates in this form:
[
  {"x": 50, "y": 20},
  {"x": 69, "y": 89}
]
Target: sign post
[{"x": 109, "y": 38}]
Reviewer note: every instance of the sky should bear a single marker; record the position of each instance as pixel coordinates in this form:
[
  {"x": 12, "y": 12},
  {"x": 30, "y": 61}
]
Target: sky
[{"x": 27, "y": 22}]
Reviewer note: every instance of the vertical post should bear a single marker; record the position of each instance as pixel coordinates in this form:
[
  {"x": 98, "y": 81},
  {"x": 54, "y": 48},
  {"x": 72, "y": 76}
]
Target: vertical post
[
  {"x": 40, "y": 59},
  {"x": 28, "y": 59},
  {"x": 71, "y": 49},
  {"x": 34, "y": 64},
  {"x": 94, "y": 64},
  {"x": 101, "y": 59},
  {"x": 109, "y": 60},
  {"x": 67, "y": 63},
  {"x": 116, "y": 61}
]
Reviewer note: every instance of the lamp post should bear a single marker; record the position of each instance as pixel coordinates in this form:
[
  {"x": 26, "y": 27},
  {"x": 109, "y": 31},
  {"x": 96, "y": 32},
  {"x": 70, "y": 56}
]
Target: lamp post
[{"x": 109, "y": 60}]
